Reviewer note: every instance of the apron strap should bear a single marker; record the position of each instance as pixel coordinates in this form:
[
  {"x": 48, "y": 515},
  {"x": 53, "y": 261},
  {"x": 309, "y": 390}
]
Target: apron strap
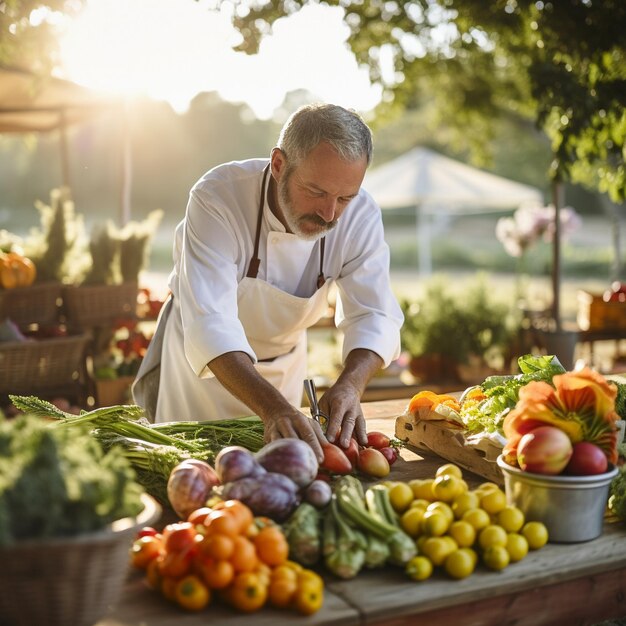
[
  {"x": 255, "y": 262},
  {"x": 320, "y": 278},
  {"x": 253, "y": 268}
]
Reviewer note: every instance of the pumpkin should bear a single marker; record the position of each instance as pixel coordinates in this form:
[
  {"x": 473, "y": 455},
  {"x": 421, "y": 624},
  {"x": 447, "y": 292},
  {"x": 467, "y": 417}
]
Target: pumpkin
[{"x": 16, "y": 271}]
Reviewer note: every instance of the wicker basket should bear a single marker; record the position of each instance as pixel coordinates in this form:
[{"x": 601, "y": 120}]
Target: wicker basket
[
  {"x": 37, "y": 304},
  {"x": 43, "y": 366},
  {"x": 88, "y": 306},
  {"x": 70, "y": 581}
]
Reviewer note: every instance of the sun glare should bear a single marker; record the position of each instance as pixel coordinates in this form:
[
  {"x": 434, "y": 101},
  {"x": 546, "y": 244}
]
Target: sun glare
[{"x": 173, "y": 49}]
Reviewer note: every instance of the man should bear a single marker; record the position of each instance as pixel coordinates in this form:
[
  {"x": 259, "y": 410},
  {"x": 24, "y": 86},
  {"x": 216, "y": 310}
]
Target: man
[{"x": 255, "y": 255}]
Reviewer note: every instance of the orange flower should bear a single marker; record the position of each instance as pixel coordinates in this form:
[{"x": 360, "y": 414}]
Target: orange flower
[
  {"x": 581, "y": 403},
  {"x": 430, "y": 399}
]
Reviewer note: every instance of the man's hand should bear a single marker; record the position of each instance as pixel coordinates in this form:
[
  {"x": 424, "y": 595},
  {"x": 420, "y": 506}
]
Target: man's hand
[
  {"x": 295, "y": 424},
  {"x": 342, "y": 402},
  {"x": 236, "y": 372}
]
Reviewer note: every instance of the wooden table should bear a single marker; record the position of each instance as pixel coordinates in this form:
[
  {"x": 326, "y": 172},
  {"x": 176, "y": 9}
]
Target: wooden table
[{"x": 560, "y": 584}]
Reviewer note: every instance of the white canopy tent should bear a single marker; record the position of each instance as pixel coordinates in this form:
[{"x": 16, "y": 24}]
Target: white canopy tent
[{"x": 434, "y": 184}]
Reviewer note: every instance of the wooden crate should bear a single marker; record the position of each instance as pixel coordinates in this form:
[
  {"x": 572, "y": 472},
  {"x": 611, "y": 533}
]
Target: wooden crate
[
  {"x": 596, "y": 314},
  {"x": 449, "y": 443}
]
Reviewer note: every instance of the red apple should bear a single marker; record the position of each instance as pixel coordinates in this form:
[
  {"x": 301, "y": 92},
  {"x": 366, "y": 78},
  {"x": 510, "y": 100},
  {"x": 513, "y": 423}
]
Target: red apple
[
  {"x": 587, "y": 459},
  {"x": 373, "y": 463},
  {"x": 544, "y": 450},
  {"x": 376, "y": 439}
]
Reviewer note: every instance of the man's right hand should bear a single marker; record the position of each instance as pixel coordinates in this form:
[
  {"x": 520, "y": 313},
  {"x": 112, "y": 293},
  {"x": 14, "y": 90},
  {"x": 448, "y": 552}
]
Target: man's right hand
[
  {"x": 236, "y": 372},
  {"x": 295, "y": 424}
]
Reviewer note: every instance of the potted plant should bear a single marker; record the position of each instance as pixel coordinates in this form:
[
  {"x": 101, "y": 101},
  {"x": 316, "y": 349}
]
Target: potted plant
[
  {"x": 68, "y": 514},
  {"x": 453, "y": 337}
]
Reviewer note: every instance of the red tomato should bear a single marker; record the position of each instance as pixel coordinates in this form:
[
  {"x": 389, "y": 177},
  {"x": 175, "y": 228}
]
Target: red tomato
[
  {"x": 352, "y": 451},
  {"x": 335, "y": 459},
  {"x": 175, "y": 564},
  {"x": 199, "y": 515},
  {"x": 144, "y": 550},
  {"x": 378, "y": 440},
  {"x": 147, "y": 531},
  {"x": 180, "y": 536}
]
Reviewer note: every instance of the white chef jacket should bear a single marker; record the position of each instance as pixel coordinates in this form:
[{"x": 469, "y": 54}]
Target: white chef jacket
[{"x": 213, "y": 247}]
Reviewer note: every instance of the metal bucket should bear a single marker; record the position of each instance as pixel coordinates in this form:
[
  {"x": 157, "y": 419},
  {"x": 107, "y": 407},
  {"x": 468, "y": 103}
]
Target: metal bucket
[{"x": 571, "y": 507}]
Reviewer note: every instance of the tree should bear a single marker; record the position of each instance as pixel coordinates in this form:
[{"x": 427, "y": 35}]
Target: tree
[
  {"x": 28, "y": 32},
  {"x": 560, "y": 63}
]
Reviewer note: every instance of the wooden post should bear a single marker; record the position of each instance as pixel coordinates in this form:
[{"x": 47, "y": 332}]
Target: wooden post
[
  {"x": 65, "y": 159},
  {"x": 557, "y": 200},
  {"x": 126, "y": 163}
]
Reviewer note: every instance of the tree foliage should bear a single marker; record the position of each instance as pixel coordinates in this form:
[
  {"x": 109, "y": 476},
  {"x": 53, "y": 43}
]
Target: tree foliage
[
  {"x": 28, "y": 31},
  {"x": 561, "y": 63}
]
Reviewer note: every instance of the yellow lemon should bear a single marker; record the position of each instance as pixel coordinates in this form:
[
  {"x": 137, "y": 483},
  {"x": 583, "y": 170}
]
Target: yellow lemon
[
  {"x": 423, "y": 488},
  {"x": 463, "y": 533},
  {"x": 400, "y": 496},
  {"x": 436, "y": 549},
  {"x": 536, "y": 534},
  {"x": 478, "y": 518},
  {"x": 496, "y": 557},
  {"x": 464, "y": 502},
  {"x": 516, "y": 546},
  {"x": 484, "y": 487},
  {"x": 419, "y": 543},
  {"x": 443, "y": 508},
  {"x": 510, "y": 518},
  {"x": 434, "y": 524},
  {"x": 472, "y": 553},
  {"x": 492, "y": 535},
  {"x": 411, "y": 521},
  {"x": 419, "y": 568},
  {"x": 493, "y": 501},
  {"x": 459, "y": 564},
  {"x": 446, "y": 487},
  {"x": 449, "y": 468}
]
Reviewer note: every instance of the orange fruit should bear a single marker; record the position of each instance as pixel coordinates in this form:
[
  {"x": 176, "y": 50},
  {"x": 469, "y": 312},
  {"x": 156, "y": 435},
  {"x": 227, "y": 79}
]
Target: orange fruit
[
  {"x": 217, "y": 546},
  {"x": 240, "y": 512},
  {"x": 244, "y": 557},
  {"x": 221, "y": 522},
  {"x": 217, "y": 574},
  {"x": 271, "y": 546}
]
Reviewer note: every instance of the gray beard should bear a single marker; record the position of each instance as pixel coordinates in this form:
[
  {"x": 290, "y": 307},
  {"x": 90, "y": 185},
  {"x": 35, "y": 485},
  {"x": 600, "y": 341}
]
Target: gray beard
[{"x": 294, "y": 223}]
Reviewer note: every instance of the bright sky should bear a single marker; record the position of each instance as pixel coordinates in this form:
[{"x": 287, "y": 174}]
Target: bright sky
[{"x": 173, "y": 49}]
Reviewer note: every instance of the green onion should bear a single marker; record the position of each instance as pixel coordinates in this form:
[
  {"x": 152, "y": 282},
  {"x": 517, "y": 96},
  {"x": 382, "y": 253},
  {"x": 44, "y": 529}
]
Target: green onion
[{"x": 152, "y": 449}]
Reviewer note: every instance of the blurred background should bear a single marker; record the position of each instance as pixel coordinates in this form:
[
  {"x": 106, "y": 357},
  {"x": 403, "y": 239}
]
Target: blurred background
[{"x": 144, "y": 96}]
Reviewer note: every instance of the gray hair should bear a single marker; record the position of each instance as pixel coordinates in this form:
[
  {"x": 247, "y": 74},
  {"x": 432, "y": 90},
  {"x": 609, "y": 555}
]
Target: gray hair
[{"x": 311, "y": 124}]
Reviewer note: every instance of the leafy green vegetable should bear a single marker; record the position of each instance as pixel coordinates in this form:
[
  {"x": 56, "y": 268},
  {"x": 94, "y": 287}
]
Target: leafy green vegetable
[
  {"x": 503, "y": 393},
  {"x": 617, "y": 498},
  {"x": 152, "y": 449},
  {"x": 303, "y": 533},
  {"x": 620, "y": 401},
  {"x": 55, "y": 482}
]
